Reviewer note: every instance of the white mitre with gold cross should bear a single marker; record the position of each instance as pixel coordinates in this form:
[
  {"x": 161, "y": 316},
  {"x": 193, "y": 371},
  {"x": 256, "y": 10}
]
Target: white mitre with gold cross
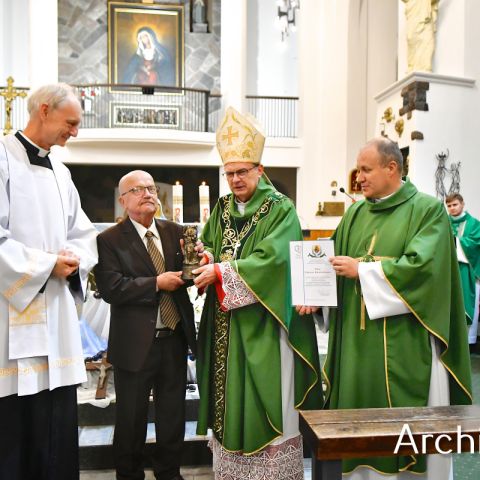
[{"x": 239, "y": 138}]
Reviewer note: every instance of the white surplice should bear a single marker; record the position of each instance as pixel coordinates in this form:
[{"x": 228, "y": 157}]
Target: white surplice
[{"x": 40, "y": 214}]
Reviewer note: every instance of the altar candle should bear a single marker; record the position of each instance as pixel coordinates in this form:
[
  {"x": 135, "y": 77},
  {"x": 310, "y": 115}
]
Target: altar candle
[
  {"x": 204, "y": 194},
  {"x": 177, "y": 202}
]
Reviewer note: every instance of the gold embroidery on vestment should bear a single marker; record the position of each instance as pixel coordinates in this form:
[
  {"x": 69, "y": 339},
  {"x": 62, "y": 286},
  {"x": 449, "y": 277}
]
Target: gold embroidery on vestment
[
  {"x": 35, "y": 313},
  {"x": 221, "y": 325},
  {"x": 219, "y": 368},
  {"x": 16, "y": 286}
]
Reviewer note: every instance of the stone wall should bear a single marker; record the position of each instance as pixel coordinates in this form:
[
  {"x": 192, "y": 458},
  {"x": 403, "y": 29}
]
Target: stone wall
[{"x": 83, "y": 46}]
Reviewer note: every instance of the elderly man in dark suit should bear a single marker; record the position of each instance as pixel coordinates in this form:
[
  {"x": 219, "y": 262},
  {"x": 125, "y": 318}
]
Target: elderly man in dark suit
[{"x": 151, "y": 325}]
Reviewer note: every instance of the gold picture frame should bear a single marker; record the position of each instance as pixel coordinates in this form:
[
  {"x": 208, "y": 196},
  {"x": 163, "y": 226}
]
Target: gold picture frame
[{"x": 145, "y": 44}]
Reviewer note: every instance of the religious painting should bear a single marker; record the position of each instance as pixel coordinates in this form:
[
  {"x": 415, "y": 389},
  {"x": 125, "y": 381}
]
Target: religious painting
[
  {"x": 145, "y": 44},
  {"x": 144, "y": 115},
  {"x": 353, "y": 185}
]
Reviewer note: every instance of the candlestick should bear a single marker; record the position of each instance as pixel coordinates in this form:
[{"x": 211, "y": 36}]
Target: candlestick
[
  {"x": 177, "y": 202},
  {"x": 204, "y": 194}
]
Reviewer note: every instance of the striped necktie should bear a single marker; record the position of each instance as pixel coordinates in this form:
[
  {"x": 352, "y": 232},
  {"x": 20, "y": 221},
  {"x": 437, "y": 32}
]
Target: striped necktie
[{"x": 168, "y": 311}]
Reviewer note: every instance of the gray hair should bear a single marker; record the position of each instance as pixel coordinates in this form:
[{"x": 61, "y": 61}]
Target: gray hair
[
  {"x": 388, "y": 150},
  {"x": 53, "y": 95}
]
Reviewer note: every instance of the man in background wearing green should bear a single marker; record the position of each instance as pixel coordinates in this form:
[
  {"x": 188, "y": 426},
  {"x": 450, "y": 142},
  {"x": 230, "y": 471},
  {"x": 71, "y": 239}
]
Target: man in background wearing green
[{"x": 466, "y": 230}]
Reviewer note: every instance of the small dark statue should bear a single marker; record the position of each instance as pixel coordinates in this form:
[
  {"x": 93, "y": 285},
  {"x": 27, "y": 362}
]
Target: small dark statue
[{"x": 191, "y": 260}]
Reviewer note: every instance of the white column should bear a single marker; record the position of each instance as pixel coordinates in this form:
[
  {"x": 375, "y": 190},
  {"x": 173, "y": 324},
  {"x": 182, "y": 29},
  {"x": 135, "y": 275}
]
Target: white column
[
  {"x": 43, "y": 51},
  {"x": 233, "y": 52},
  {"x": 14, "y": 42},
  {"x": 323, "y": 54}
]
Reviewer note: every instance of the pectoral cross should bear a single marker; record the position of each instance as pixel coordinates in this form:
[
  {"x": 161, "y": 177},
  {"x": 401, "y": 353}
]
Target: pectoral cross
[
  {"x": 369, "y": 257},
  {"x": 230, "y": 135},
  {"x": 237, "y": 246},
  {"x": 10, "y": 93}
]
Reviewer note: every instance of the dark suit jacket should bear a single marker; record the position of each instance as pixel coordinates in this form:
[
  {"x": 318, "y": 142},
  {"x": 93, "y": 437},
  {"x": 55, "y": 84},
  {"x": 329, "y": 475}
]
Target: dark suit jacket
[{"x": 126, "y": 279}]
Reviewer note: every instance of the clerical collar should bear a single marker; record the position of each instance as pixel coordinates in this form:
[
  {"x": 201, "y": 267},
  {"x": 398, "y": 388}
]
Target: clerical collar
[
  {"x": 458, "y": 217},
  {"x": 241, "y": 206},
  {"x": 36, "y": 155},
  {"x": 381, "y": 199}
]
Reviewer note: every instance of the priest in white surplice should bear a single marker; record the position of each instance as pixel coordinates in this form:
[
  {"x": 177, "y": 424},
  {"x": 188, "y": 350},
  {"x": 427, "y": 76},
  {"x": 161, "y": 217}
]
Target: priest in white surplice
[{"x": 47, "y": 247}]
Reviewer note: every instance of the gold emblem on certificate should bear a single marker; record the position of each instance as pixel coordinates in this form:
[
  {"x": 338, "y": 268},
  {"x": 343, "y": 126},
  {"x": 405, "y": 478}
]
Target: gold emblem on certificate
[{"x": 314, "y": 280}]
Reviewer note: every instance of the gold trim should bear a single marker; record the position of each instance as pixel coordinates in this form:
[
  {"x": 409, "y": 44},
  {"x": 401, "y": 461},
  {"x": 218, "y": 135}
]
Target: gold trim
[
  {"x": 288, "y": 340},
  {"x": 221, "y": 339},
  {"x": 362, "y": 312},
  {"x": 8, "y": 372},
  {"x": 41, "y": 367},
  {"x": 368, "y": 257},
  {"x": 17, "y": 285},
  {"x": 280, "y": 434},
  {"x": 327, "y": 381},
  {"x": 404, "y": 469},
  {"x": 386, "y": 362},
  {"x": 432, "y": 332},
  {"x": 229, "y": 239},
  {"x": 154, "y": 9}
]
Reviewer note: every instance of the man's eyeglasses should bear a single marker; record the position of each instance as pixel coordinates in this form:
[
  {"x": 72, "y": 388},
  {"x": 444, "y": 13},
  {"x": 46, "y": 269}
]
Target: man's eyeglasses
[
  {"x": 139, "y": 191},
  {"x": 242, "y": 173}
]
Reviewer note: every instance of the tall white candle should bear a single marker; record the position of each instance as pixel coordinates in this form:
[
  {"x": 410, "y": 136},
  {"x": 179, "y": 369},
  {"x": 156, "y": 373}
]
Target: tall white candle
[
  {"x": 177, "y": 202},
  {"x": 204, "y": 194}
]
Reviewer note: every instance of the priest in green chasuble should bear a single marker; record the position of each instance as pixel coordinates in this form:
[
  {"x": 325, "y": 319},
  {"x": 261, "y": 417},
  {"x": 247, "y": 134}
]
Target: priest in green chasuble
[
  {"x": 258, "y": 360},
  {"x": 466, "y": 230},
  {"x": 399, "y": 336}
]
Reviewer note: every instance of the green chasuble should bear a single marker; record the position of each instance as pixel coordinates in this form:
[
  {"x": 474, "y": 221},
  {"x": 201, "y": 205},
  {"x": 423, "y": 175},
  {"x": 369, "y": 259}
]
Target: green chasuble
[
  {"x": 238, "y": 364},
  {"x": 388, "y": 363},
  {"x": 467, "y": 230}
]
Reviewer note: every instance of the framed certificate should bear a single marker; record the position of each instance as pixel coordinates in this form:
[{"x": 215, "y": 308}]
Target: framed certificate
[{"x": 314, "y": 282}]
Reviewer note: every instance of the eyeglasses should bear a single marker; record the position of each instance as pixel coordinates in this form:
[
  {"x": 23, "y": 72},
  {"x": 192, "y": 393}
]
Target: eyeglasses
[
  {"x": 242, "y": 173},
  {"x": 139, "y": 191}
]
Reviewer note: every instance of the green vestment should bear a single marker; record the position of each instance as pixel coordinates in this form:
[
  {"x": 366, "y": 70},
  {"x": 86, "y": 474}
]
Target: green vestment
[
  {"x": 238, "y": 363},
  {"x": 388, "y": 364},
  {"x": 467, "y": 230}
]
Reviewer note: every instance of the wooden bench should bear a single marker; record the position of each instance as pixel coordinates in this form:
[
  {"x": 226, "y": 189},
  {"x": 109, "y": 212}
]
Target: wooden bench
[{"x": 333, "y": 435}]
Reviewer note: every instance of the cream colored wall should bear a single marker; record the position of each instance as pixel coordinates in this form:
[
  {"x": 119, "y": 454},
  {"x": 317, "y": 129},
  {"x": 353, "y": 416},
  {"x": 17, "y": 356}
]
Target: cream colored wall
[
  {"x": 14, "y": 41},
  {"x": 452, "y": 122},
  {"x": 43, "y": 44},
  {"x": 345, "y": 58}
]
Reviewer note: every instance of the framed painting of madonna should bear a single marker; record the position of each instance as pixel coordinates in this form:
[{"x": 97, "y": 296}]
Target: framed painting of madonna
[{"x": 145, "y": 44}]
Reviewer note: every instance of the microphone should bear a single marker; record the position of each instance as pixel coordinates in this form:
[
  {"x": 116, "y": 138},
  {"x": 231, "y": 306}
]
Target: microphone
[{"x": 348, "y": 195}]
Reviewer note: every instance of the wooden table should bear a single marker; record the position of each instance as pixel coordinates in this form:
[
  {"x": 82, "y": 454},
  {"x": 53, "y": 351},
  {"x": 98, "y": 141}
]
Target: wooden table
[{"x": 333, "y": 435}]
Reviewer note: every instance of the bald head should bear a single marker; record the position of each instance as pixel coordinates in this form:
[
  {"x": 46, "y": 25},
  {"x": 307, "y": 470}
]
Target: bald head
[
  {"x": 388, "y": 151},
  {"x": 138, "y": 196},
  {"x": 132, "y": 177}
]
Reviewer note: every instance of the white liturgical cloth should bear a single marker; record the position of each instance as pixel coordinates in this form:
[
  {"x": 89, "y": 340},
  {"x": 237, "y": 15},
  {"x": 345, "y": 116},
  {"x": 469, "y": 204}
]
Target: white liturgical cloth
[{"x": 40, "y": 214}]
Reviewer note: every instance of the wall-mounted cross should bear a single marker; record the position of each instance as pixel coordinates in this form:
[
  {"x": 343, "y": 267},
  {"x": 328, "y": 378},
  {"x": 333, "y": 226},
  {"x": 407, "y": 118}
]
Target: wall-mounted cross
[{"x": 10, "y": 93}]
